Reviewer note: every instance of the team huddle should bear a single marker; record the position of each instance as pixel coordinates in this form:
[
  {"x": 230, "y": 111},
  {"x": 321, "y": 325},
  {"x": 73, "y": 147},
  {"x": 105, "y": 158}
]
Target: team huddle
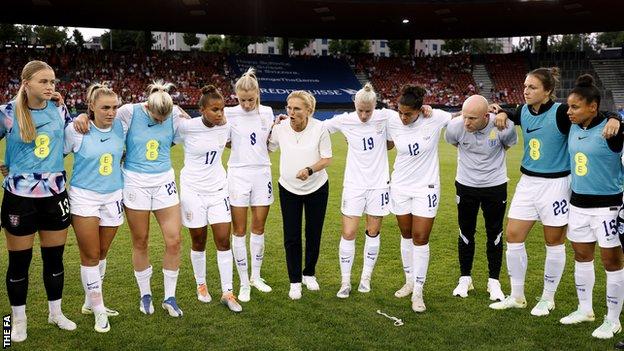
[{"x": 572, "y": 181}]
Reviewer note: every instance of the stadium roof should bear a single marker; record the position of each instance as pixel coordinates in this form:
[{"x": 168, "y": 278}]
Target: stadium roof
[{"x": 428, "y": 19}]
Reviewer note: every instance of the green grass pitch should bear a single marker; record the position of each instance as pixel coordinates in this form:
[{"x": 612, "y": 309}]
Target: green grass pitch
[{"x": 318, "y": 321}]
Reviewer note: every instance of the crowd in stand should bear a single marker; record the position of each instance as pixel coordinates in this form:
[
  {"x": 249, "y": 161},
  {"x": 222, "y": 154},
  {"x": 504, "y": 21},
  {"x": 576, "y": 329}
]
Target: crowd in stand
[
  {"x": 126, "y": 72},
  {"x": 448, "y": 79}
]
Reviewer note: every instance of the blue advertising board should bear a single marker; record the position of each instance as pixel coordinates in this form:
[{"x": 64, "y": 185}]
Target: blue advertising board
[{"x": 330, "y": 80}]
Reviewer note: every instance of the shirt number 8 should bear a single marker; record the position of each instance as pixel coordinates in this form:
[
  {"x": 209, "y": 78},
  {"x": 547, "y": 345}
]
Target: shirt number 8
[
  {"x": 106, "y": 164},
  {"x": 534, "y": 145},
  {"x": 152, "y": 150},
  {"x": 42, "y": 146},
  {"x": 581, "y": 164}
]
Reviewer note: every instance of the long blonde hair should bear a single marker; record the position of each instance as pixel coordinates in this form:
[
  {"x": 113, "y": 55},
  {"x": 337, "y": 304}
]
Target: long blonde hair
[
  {"x": 159, "y": 101},
  {"x": 22, "y": 112},
  {"x": 249, "y": 82}
]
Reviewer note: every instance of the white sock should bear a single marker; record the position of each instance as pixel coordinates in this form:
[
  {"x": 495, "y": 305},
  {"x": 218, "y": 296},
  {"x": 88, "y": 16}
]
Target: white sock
[
  {"x": 239, "y": 249},
  {"x": 371, "y": 252},
  {"x": 346, "y": 254},
  {"x": 102, "y": 269},
  {"x": 170, "y": 279},
  {"x": 93, "y": 287},
  {"x": 615, "y": 290},
  {"x": 143, "y": 280},
  {"x": 421, "y": 264},
  {"x": 553, "y": 270},
  {"x": 224, "y": 262},
  {"x": 256, "y": 247},
  {"x": 18, "y": 312},
  {"x": 83, "y": 279},
  {"x": 406, "y": 257},
  {"x": 198, "y": 260},
  {"x": 584, "y": 279},
  {"x": 55, "y": 307},
  {"x": 516, "y": 268}
]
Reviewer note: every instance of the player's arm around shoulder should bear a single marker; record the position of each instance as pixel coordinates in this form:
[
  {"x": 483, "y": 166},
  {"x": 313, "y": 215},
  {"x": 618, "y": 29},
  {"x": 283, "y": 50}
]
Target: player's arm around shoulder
[
  {"x": 273, "y": 143},
  {"x": 453, "y": 128},
  {"x": 72, "y": 139},
  {"x": 508, "y": 136}
]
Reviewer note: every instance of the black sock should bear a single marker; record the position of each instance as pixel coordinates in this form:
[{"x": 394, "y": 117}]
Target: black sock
[
  {"x": 17, "y": 276},
  {"x": 53, "y": 271}
]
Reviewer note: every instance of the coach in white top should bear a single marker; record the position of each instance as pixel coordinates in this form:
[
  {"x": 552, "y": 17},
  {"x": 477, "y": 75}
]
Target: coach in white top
[
  {"x": 249, "y": 179},
  {"x": 366, "y": 183},
  {"x": 305, "y": 152},
  {"x": 415, "y": 184},
  {"x": 481, "y": 182}
]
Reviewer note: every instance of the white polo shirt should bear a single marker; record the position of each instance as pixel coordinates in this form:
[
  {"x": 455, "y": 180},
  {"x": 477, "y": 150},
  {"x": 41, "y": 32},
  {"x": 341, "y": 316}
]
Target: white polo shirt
[
  {"x": 481, "y": 154},
  {"x": 300, "y": 150}
]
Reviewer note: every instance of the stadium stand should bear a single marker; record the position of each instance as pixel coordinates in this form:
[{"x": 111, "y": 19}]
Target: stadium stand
[
  {"x": 611, "y": 73},
  {"x": 127, "y": 73},
  {"x": 572, "y": 65},
  {"x": 507, "y": 73},
  {"x": 448, "y": 79}
]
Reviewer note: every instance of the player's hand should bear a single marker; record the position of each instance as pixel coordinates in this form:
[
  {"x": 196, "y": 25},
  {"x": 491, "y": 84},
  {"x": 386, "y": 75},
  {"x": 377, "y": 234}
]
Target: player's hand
[
  {"x": 302, "y": 174},
  {"x": 4, "y": 170},
  {"x": 81, "y": 123},
  {"x": 494, "y": 108},
  {"x": 280, "y": 118},
  {"x": 183, "y": 113},
  {"x": 58, "y": 99},
  {"x": 501, "y": 121},
  {"x": 427, "y": 111},
  {"x": 611, "y": 129}
]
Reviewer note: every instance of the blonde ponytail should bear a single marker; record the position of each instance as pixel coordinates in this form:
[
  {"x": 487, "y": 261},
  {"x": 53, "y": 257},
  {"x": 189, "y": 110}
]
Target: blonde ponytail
[
  {"x": 366, "y": 95},
  {"x": 249, "y": 82},
  {"x": 159, "y": 101}
]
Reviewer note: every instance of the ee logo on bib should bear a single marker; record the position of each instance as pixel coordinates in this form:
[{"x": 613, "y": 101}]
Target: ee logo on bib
[
  {"x": 581, "y": 164},
  {"x": 152, "y": 150},
  {"x": 106, "y": 164},
  {"x": 534, "y": 145},
  {"x": 42, "y": 146}
]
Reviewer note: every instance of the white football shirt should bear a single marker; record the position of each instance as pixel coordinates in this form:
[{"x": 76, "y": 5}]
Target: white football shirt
[
  {"x": 417, "y": 163},
  {"x": 367, "y": 155},
  {"x": 203, "y": 170},
  {"x": 249, "y": 135}
]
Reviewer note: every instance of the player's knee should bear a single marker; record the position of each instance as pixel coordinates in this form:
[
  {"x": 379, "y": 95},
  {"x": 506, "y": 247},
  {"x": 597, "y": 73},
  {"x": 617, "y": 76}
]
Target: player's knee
[
  {"x": 198, "y": 244},
  {"x": 140, "y": 244},
  {"x": 172, "y": 244},
  {"x": 223, "y": 244},
  {"x": 612, "y": 264},
  {"x": 515, "y": 235},
  {"x": 349, "y": 234},
  {"x": 257, "y": 227},
  {"x": 584, "y": 256},
  {"x": 90, "y": 261},
  {"x": 420, "y": 239}
]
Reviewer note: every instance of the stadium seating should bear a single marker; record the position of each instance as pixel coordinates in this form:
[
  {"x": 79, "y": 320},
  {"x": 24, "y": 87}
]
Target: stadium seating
[
  {"x": 127, "y": 73},
  {"x": 448, "y": 79},
  {"x": 507, "y": 72}
]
